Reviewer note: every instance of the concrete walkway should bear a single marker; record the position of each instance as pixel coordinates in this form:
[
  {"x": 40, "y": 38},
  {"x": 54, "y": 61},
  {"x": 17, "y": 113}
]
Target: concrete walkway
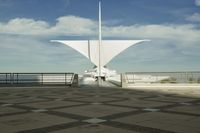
[{"x": 97, "y": 110}]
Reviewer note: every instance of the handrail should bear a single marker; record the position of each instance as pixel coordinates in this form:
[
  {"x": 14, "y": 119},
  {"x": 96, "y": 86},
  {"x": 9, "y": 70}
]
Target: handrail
[{"x": 36, "y": 78}]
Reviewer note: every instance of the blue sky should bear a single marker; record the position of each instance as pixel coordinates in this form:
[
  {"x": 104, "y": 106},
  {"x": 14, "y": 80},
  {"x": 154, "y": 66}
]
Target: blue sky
[{"x": 26, "y": 26}]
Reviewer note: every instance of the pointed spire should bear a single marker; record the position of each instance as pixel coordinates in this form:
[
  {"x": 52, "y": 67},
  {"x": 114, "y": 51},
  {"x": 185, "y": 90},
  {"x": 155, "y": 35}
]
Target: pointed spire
[{"x": 100, "y": 39}]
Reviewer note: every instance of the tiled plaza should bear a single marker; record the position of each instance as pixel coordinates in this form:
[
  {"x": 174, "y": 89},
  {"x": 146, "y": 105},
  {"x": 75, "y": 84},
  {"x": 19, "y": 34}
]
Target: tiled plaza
[{"x": 96, "y": 110}]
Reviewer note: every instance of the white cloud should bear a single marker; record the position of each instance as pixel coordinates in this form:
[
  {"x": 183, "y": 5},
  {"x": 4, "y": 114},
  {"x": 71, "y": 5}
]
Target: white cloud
[
  {"x": 67, "y": 25},
  {"x": 197, "y": 2},
  {"x": 24, "y": 26},
  {"x": 169, "y": 31},
  {"x": 74, "y": 25},
  {"x": 194, "y": 18}
]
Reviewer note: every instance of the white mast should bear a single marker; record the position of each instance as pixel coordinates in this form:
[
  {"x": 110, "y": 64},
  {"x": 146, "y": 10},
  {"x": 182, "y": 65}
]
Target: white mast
[
  {"x": 100, "y": 40},
  {"x": 99, "y": 47}
]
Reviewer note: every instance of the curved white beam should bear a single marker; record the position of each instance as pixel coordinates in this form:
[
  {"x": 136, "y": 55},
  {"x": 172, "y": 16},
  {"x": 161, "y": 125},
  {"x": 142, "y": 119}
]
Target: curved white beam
[{"x": 109, "y": 48}]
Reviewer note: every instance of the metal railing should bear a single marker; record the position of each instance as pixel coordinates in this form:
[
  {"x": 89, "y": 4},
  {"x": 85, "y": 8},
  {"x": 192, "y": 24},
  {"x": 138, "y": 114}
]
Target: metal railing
[
  {"x": 37, "y": 78},
  {"x": 163, "y": 77}
]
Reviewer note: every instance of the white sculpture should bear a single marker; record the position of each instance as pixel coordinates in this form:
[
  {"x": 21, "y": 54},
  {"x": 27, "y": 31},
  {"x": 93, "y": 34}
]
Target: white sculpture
[{"x": 99, "y": 52}]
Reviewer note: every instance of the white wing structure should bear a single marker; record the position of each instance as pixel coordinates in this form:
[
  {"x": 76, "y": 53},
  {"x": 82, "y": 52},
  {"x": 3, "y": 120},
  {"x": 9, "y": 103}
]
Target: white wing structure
[
  {"x": 108, "y": 48},
  {"x": 100, "y": 52}
]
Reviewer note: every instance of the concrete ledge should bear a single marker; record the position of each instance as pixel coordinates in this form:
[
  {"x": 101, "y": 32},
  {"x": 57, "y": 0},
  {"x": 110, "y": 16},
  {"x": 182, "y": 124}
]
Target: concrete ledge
[
  {"x": 163, "y": 85},
  {"x": 186, "y": 90},
  {"x": 117, "y": 83}
]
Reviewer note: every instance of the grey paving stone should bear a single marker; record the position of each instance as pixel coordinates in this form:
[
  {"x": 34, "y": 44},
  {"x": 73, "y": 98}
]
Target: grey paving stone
[
  {"x": 59, "y": 109},
  {"x": 30, "y": 121},
  {"x": 184, "y": 129},
  {"x": 7, "y": 104},
  {"x": 95, "y": 103},
  {"x": 39, "y": 110},
  {"x": 94, "y": 120},
  {"x": 95, "y": 110},
  {"x": 159, "y": 120},
  {"x": 129, "y": 95},
  {"x": 21, "y": 100},
  {"x": 64, "y": 96},
  {"x": 96, "y": 99},
  {"x": 9, "y": 110},
  {"x": 172, "y": 99},
  {"x": 185, "y": 103},
  {"x": 141, "y": 103},
  {"x": 194, "y": 109},
  {"x": 151, "y": 110},
  {"x": 94, "y": 128},
  {"x": 51, "y": 104}
]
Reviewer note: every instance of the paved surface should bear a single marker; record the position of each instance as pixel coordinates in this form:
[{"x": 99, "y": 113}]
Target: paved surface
[{"x": 96, "y": 110}]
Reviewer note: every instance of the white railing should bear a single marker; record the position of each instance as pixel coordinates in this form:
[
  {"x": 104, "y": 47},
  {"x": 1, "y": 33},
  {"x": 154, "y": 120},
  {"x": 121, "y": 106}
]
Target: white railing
[{"x": 162, "y": 77}]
